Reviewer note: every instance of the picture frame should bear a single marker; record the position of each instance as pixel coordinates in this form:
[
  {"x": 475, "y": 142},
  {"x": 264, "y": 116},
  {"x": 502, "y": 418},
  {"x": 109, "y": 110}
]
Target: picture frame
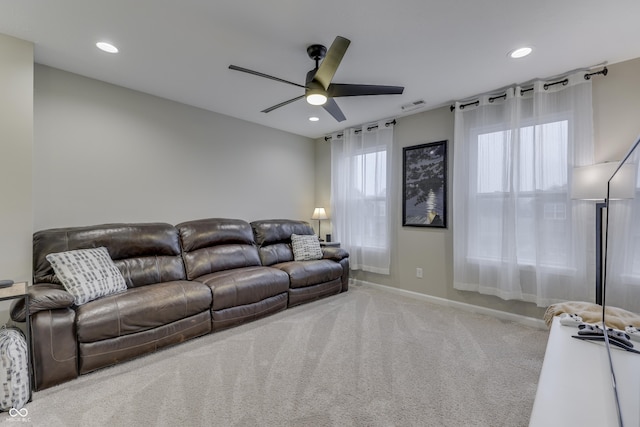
[{"x": 424, "y": 185}]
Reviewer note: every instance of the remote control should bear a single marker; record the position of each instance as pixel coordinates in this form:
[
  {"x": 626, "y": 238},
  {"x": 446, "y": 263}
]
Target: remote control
[
  {"x": 570, "y": 320},
  {"x": 5, "y": 283},
  {"x": 633, "y": 333}
]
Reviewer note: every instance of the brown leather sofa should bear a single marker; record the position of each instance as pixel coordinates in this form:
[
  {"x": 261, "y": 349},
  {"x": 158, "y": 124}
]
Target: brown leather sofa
[{"x": 182, "y": 282}]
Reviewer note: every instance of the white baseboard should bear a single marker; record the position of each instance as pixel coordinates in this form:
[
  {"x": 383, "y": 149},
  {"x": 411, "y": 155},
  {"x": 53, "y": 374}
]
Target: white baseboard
[{"x": 523, "y": 320}]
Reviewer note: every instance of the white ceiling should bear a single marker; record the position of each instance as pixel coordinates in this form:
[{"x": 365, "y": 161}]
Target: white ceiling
[{"x": 439, "y": 50}]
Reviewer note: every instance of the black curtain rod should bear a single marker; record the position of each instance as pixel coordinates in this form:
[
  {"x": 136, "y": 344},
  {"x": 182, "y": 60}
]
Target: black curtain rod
[
  {"x": 369, "y": 129},
  {"x": 546, "y": 86},
  {"x": 603, "y": 72},
  {"x": 562, "y": 82},
  {"x": 462, "y": 106},
  {"x": 498, "y": 97}
]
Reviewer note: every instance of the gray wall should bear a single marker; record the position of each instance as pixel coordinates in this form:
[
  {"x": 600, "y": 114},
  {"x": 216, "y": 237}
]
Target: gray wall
[
  {"x": 616, "y": 110},
  {"x": 16, "y": 148},
  {"x": 616, "y": 101},
  {"x": 103, "y": 153}
]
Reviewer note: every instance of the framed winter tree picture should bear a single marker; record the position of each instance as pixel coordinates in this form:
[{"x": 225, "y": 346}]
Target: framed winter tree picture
[{"x": 424, "y": 178}]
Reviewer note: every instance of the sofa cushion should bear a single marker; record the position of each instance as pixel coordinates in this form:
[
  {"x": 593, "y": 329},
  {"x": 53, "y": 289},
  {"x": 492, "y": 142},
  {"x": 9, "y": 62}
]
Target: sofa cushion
[
  {"x": 305, "y": 247},
  {"x": 203, "y": 233},
  {"x": 308, "y": 273},
  {"x": 273, "y": 237},
  {"x": 87, "y": 274},
  {"x": 276, "y": 253},
  {"x": 140, "y": 309},
  {"x": 217, "y": 244},
  {"x": 145, "y": 253},
  {"x": 270, "y": 231},
  {"x": 240, "y": 286}
]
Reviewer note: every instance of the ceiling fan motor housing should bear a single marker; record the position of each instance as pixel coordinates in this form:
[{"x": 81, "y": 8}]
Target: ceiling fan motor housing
[{"x": 316, "y": 52}]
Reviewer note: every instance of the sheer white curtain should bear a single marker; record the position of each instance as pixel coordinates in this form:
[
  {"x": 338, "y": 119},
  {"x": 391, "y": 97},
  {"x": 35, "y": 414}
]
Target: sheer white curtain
[
  {"x": 623, "y": 237},
  {"x": 361, "y": 162},
  {"x": 517, "y": 233}
]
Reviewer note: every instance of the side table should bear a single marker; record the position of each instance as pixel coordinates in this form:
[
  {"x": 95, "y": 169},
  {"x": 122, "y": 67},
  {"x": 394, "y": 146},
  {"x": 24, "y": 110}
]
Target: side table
[
  {"x": 329, "y": 244},
  {"x": 15, "y": 291}
]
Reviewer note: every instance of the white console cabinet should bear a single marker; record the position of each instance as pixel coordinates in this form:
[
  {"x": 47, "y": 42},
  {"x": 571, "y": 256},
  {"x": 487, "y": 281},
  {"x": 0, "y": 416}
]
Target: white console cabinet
[{"x": 576, "y": 388}]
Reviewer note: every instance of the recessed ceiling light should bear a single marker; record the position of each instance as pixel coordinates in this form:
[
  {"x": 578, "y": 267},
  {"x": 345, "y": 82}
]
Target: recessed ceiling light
[
  {"x": 314, "y": 119},
  {"x": 520, "y": 52},
  {"x": 107, "y": 47}
]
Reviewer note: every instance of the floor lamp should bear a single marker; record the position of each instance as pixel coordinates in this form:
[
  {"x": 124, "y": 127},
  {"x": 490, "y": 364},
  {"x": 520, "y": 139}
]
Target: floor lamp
[{"x": 590, "y": 183}]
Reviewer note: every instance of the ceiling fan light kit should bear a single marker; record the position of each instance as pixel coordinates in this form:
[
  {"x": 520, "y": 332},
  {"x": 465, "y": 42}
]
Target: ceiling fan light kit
[
  {"x": 319, "y": 90},
  {"x": 316, "y": 99},
  {"x": 315, "y": 93}
]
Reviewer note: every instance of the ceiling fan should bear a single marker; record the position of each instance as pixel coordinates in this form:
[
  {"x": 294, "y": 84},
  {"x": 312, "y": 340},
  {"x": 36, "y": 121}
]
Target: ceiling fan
[{"x": 318, "y": 89}]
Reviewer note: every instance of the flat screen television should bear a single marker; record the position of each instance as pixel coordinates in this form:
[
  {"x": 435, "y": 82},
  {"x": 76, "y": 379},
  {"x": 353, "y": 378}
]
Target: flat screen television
[{"x": 621, "y": 282}]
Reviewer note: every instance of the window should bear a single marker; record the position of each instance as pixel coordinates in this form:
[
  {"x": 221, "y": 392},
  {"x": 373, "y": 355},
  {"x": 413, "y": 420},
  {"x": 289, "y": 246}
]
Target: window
[
  {"x": 542, "y": 155},
  {"x": 517, "y": 232},
  {"x": 360, "y": 177},
  {"x": 370, "y": 181},
  {"x": 531, "y": 171}
]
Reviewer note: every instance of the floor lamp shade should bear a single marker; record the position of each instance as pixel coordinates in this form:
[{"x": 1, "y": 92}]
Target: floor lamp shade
[
  {"x": 319, "y": 214},
  {"x": 590, "y": 182}
]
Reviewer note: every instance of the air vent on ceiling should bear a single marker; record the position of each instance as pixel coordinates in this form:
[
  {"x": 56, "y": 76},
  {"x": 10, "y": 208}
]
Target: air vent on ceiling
[{"x": 413, "y": 105}]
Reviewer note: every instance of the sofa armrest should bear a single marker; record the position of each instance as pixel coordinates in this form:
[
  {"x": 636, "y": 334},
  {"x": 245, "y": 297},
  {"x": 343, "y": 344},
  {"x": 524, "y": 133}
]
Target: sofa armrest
[
  {"x": 55, "y": 348},
  {"x": 335, "y": 254},
  {"x": 42, "y": 296}
]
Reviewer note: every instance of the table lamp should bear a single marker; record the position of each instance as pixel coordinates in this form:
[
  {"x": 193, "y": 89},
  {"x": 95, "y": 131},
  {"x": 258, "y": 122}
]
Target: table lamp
[{"x": 319, "y": 214}]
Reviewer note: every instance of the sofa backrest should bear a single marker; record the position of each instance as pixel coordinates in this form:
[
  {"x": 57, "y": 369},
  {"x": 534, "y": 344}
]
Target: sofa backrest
[
  {"x": 273, "y": 237},
  {"x": 144, "y": 253},
  {"x": 216, "y": 244}
]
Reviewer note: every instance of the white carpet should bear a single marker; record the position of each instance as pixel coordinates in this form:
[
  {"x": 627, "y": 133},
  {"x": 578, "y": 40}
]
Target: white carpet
[{"x": 364, "y": 358}]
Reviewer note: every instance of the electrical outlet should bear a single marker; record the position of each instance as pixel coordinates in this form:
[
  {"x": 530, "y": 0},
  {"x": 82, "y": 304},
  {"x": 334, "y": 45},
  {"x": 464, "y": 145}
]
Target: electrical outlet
[{"x": 419, "y": 273}]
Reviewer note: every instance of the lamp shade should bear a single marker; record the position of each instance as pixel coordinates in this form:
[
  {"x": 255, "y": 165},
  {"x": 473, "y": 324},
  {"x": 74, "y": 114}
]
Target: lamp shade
[
  {"x": 590, "y": 182},
  {"x": 319, "y": 213},
  {"x": 623, "y": 184}
]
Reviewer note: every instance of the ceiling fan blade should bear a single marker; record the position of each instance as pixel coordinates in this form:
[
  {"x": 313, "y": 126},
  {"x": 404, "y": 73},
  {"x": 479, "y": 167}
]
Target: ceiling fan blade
[
  {"x": 339, "y": 89},
  {"x": 282, "y": 104},
  {"x": 331, "y": 61},
  {"x": 259, "y": 74},
  {"x": 333, "y": 109}
]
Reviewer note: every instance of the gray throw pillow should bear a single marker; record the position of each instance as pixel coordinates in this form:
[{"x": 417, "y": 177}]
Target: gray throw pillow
[
  {"x": 87, "y": 274},
  {"x": 306, "y": 247}
]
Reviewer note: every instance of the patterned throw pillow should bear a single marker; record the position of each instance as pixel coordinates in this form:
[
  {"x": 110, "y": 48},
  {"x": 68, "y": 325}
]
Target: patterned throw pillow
[
  {"x": 305, "y": 247},
  {"x": 87, "y": 274}
]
